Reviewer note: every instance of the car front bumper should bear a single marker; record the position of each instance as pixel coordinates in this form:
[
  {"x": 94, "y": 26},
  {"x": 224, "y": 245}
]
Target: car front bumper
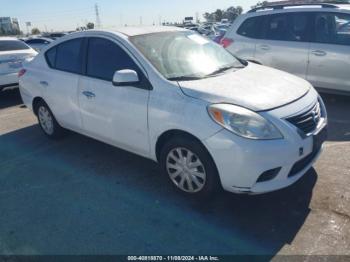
[{"x": 242, "y": 162}]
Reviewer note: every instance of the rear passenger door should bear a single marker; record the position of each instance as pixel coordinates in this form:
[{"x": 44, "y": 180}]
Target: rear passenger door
[
  {"x": 284, "y": 42},
  {"x": 60, "y": 82},
  {"x": 330, "y": 52}
]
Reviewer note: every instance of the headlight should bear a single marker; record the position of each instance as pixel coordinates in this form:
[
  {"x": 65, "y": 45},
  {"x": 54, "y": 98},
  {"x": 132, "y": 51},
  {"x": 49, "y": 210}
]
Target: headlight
[{"x": 244, "y": 122}]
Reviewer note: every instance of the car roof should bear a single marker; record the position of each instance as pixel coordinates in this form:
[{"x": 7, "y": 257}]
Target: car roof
[
  {"x": 39, "y": 38},
  {"x": 6, "y": 38},
  {"x": 143, "y": 30},
  {"x": 316, "y": 7}
]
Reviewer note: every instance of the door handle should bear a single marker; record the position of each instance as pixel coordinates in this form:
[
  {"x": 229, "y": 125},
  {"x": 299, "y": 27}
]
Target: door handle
[
  {"x": 265, "y": 47},
  {"x": 44, "y": 83},
  {"x": 319, "y": 53},
  {"x": 89, "y": 94}
]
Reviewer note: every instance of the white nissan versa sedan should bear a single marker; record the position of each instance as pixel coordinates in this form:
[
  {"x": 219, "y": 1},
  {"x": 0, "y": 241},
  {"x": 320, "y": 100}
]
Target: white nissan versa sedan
[{"x": 172, "y": 96}]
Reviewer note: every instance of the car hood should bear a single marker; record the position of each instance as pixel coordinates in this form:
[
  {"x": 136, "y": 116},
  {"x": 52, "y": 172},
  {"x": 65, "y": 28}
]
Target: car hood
[{"x": 255, "y": 87}]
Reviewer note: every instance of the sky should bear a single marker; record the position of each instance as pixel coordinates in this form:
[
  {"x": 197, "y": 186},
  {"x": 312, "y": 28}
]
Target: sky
[{"x": 57, "y": 15}]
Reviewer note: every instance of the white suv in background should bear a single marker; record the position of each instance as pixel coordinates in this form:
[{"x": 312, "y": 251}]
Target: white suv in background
[
  {"x": 310, "y": 41},
  {"x": 13, "y": 53}
]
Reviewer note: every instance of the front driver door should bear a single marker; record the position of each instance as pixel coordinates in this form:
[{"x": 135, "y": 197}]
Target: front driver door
[{"x": 114, "y": 114}]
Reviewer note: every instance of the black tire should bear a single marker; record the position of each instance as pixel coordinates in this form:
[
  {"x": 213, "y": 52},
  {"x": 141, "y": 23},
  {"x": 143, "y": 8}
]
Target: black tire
[
  {"x": 212, "y": 181},
  {"x": 57, "y": 131}
]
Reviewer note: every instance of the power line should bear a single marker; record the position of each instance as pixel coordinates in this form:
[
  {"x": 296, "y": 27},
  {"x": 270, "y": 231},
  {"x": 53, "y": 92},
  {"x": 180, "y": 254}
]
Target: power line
[{"x": 98, "y": 19}]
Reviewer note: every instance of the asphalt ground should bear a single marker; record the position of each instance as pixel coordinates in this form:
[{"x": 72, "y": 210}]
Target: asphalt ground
[{"x": 80, "y": 196}]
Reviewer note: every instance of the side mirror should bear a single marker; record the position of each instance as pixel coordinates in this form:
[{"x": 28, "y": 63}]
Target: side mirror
[{"x": 125, "y": 77}]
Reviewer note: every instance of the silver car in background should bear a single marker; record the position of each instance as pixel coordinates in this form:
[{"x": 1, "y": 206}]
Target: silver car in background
[
  {"x": 13, "y": 53},
  {"x": 38, "y": 43},
  {"x": 310, "y": 41}
]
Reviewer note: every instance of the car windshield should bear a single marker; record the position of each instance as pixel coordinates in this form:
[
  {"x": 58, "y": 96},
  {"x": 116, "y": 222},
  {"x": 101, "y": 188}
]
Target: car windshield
[
  {"x": 184, "y": 55},
  {"x": 12, "y": 45}
]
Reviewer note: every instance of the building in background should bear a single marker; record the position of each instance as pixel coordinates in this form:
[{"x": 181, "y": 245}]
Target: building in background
[{"x": 9, "y": 26}]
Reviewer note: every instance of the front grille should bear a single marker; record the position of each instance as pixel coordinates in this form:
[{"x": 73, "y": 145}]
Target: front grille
[{"x": 307, "y": 121}]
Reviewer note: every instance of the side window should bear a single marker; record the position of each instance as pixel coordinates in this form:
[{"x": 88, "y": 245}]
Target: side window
[
  {"x": 299, "y": 27},
  {"x": 69, "y": 56},
  {"x": 105, "y": 57},
  {"x": 51, "y": 57},
  {"x": 276, "y": 27},
  {"x": 250, "y": 27},
  {"x": 287, "y": 27},
  {"x": 332, "y": 28}
]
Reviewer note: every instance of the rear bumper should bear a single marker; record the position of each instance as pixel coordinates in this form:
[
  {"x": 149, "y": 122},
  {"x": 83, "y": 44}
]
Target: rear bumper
[
  {"x": 8, "y": 80},
  {"x": 9, "y": 85}
]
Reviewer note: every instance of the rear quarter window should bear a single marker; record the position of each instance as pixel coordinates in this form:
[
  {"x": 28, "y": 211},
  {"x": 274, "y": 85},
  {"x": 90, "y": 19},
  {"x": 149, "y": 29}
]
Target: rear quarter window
[{"x": 66, "y": 56}]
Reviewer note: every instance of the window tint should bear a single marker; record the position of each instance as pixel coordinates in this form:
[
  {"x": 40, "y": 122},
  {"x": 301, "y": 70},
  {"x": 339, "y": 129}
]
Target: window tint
[
  {"x": 68, "y": 57},
  {"x": 106, "y": 57},
  {"x": 277, "y": 27},
  {"x": 37, "y": 41},
  {"x": 12, "y": 45},
  {"x": 299, "y": 23},
  {"x": 250, "y": 28},
  {"x": 51, "y": 57},
  {"x": 332, "y": 28},
  {"x": 287, "y": 27}
]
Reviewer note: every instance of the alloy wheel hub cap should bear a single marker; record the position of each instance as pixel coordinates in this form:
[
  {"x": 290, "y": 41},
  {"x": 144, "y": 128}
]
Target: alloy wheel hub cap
[{"x": 186, "y": 170}]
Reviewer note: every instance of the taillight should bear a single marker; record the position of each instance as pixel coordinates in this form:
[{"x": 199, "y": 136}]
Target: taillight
[
  {"x": 226, "y": 42},
  {"x": 22, "y": 72}
]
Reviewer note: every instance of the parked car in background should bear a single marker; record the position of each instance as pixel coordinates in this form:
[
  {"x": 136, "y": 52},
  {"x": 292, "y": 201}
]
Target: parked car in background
[
  {"x": 175, "y": 97},
  {"x": 38, "y": 43},
  {"x": 218, "y": 32},
  {"x": 13, "y": 53},
  {"x": 205, "y": 29},
  {"x": 55, "y": 36},
  {"x": 310, "y": 41}
]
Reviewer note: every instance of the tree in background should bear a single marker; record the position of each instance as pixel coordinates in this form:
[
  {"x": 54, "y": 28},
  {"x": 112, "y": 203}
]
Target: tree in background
[
  {"x": 230, "y": 13},
  {"x": 90, "y": 25},
  {"x": 260, "y": 4},
  {"x": 35, "y": 31}
]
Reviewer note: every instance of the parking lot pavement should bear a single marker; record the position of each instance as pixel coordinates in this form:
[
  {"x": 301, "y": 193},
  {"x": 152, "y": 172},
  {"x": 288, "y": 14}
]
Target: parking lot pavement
[{"x": 80, "y": 196}]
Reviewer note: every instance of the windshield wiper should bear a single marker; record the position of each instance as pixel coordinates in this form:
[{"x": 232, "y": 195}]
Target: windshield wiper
[
  {"x": 222, "y": 69},
  {"x": 184, "y": 78}
]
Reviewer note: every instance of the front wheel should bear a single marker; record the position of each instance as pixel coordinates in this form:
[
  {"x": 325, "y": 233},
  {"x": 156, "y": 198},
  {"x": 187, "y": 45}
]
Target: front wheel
[
  {"x": 47, "y": 121},
  {"x": 189, "y": 167}
]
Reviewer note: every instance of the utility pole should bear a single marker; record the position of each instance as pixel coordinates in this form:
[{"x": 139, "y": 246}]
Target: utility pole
[{"x": 98, "y": 19}]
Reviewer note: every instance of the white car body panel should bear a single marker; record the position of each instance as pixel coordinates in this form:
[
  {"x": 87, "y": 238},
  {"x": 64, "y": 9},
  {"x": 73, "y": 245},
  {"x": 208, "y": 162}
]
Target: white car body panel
[
  {"x": 250, "y": 87},
  {"x": 109, "y": 113},
  {"x": 331, "y": 71},
  {"x": 134, "y": 119},
  {"x": 285, "y": 56}
]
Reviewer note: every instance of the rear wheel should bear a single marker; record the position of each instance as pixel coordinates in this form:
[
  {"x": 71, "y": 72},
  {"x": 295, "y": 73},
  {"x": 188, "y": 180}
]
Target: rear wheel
[
  {"x": 189, "y": 167},
  {"x": 47, "y": 121}
]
